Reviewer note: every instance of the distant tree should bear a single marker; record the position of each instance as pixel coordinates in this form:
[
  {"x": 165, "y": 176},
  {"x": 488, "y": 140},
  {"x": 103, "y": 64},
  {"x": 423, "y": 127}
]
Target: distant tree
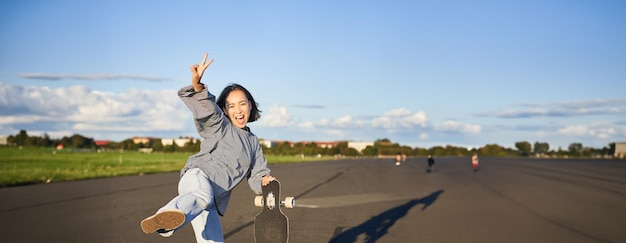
[
  {"x": 66, "y": 142},
  {"x": 77, "y": 141},
  {"x": 370, "y": 151},
  {"x": 283, "y": 148},
  {"x": 386, "y": 147},
  {"x": 345, "y": 150},
  {"x": 20, "y": 138},
  {"x": 495, "y": 150},
  {"x": 171, "y": 148},
  {"x": 456, "y": 151},
  {"x": 437, "y": 151},
  {"x": 523, "y": 147},
  {"x": 541, "y": 148},
  {"x": 611, "y": 149},
  {"x": 191, "y": 146},
  {"x": 157, "y": 145},
  {"x": 380, "y": 147},
  {"x": 46, "y": 141},
  {"x": 30, "y": 141},
  {"x": 128, "y": 144},
  {"x": 420, "y": 151},
  {"x": 575, "y": 149},
  {"x": 300, "y": 148},
  {"x": 384, "y": 142}
]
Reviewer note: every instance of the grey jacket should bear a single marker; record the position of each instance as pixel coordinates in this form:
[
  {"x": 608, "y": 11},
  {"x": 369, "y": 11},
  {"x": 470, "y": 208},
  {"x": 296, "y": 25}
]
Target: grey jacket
[{"x": 228, "y": 154}]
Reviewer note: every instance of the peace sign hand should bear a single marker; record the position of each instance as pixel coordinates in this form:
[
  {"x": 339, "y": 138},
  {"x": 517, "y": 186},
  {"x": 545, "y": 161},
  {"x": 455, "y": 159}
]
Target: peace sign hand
[{"x": 197, "y": 71}]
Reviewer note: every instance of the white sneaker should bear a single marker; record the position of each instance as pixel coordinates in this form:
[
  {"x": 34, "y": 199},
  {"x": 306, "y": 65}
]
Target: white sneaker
[{"x": 165, "y": 233}]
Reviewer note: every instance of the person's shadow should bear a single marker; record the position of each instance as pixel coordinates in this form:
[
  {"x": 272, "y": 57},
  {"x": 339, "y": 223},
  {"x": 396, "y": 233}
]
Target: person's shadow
[{"x": 376, "y": 227}]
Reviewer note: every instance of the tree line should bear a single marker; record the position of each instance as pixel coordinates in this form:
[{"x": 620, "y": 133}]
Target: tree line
[
  {"x": 81, "y": 142},
  {"x": 381, "y": 147}
]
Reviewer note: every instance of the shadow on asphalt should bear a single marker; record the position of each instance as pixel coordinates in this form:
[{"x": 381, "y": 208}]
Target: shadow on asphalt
[{"x": 376, "y": 227}]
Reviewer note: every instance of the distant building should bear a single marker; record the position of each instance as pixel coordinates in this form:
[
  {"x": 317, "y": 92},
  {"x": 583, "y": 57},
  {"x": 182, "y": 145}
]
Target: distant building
[
  {"x": 180, "y": 142},
  {"x": 359, "y": 146},
  {"x": 102, "y": 142},
  {"x": 267, "y": 143},
  {"x": 144, "y": 140},
  {"x": 4, "y": 140},
  {"x": 317, "y": 143},
  {"x": 326, "y": 144},
  {"x": 620, "y": 150}
]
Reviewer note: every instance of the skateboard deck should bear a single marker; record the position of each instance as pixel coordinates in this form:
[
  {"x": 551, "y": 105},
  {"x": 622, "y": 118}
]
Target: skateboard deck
[
  {"x": 271, "y": 225},
  {"x": 430, "y": 169}
]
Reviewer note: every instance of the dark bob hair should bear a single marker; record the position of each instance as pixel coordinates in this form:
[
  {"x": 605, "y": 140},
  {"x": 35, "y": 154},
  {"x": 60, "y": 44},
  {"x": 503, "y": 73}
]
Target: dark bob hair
[{"x": 255, "y": 113}]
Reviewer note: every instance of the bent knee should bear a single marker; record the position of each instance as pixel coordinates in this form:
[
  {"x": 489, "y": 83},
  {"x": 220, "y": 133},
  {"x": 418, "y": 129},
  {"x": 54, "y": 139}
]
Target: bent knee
[{"x": 203, "y": 199}]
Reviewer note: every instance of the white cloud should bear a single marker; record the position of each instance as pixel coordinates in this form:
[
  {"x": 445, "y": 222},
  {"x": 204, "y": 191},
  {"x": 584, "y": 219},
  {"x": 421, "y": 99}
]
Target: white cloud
[
  {"x": 344, "y": 121},
  {"x": 7, "y": 120},
  {"x": 578, "y": 130},
  {"x": 84, "y": 110},
  {"x": 563, "y": 109},
  {"x": 338, "y": 123},
  {"x": 605, "y": 133},
  {"x": 586, "y": 131},
  {"x": 308, "y": 125},
  {"x": 454, "y": 126},
  {"x": 276, "y": 116},
  {"x": 423, "y": 136},
  {"x": 395, "y": 119},
  {"x": 400, "y": 118},
  {"x": 108, "y": 115},
  {"x": 337, "y": 133}
]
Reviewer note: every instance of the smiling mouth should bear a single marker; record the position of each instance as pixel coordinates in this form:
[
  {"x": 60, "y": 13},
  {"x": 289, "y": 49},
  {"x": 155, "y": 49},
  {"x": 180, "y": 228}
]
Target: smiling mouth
[{"x": 239, "y": 118}]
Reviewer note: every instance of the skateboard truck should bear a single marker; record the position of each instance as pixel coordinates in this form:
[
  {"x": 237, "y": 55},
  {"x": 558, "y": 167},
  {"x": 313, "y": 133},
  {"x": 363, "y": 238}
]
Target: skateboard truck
[{"x": 289, "y": 202}]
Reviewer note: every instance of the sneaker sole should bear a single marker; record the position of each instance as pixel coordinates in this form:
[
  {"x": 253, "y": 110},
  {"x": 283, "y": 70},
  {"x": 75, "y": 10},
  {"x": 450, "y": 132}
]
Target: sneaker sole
[{"x": 166, "y": 220}]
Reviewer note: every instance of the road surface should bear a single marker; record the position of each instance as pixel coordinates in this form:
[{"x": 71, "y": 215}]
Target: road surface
[{"x": 367, "y": 200}]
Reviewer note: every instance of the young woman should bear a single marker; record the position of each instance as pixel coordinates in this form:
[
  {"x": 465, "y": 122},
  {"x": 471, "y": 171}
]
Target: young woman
[{"x": 229, "y": 153}]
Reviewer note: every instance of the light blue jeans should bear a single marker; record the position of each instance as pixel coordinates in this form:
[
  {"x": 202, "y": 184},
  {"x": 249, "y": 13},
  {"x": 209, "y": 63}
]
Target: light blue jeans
[{"x": 195, "y": 199}]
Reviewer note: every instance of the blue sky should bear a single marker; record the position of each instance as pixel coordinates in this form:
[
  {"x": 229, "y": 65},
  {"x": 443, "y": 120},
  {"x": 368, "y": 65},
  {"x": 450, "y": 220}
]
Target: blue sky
[{"x": 421, "y": 73}]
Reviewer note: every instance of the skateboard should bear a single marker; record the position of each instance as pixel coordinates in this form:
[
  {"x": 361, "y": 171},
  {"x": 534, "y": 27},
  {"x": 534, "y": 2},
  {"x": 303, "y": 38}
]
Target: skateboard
[
  {"x": 271, "y": 225},
  {"x": 431, "y": 168}
]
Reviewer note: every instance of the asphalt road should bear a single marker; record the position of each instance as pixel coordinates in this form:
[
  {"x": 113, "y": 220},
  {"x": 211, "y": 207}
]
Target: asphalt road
[{"x": 370, "y": 200}]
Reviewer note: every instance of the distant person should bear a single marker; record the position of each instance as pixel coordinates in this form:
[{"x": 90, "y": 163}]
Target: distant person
[
  {"x": 398, "y": 158},
  {"x": 431, "y": 163},
  {"x": 475, "y": 162},
  {"x": 229, "y": 153}
]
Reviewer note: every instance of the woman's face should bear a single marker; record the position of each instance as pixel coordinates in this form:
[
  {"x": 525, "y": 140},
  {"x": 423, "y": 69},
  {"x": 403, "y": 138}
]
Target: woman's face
[{"x": 238, "y": 108}]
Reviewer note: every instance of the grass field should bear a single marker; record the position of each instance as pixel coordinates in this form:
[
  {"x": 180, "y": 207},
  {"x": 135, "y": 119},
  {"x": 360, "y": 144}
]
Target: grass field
[{"x": 22, "y": 166}]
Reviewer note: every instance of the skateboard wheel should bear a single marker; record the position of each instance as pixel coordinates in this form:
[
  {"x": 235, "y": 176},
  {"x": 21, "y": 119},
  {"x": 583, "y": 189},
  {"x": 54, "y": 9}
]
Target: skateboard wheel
[
  {"x": 290, "y": 202},
  {"x": 258, "y": 201}
]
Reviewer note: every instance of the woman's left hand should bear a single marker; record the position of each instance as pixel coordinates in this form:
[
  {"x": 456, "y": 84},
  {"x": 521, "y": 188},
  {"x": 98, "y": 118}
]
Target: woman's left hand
[{"x": 266, "y": 180}]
